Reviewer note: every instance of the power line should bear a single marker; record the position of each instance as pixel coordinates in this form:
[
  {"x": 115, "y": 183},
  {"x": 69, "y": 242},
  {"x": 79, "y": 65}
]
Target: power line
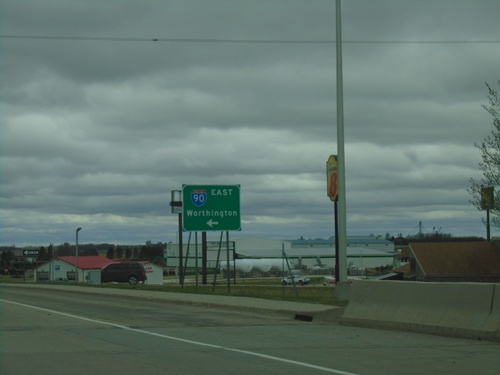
[{"x": 238, "y": 41}]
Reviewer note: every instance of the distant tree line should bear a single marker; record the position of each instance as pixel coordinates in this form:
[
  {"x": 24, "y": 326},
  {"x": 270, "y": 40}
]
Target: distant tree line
[{"x": 149, "y": 251}]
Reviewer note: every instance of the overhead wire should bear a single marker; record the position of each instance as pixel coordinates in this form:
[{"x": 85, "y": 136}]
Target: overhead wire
[{"x": 237, "y": 41}]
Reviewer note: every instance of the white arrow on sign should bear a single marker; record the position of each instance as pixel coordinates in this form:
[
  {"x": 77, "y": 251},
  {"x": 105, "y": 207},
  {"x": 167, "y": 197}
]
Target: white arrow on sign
[
  {"x": 30, "y": 252},
  {"x": 210, "y": 223}
]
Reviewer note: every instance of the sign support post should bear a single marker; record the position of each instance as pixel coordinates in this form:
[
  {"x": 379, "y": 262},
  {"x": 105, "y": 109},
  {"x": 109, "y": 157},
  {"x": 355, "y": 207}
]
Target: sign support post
[
  {"x": 227, "y": 262},
  {"x": 332, "y": 190},
  {"x": 212, "y": 208},
  {"x": 176, "y": 204},
  {"x": 487, "y": 203}
]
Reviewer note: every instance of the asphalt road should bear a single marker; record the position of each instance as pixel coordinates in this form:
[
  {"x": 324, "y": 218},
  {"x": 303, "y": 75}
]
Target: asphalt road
[{"x": 45, "y": 331}]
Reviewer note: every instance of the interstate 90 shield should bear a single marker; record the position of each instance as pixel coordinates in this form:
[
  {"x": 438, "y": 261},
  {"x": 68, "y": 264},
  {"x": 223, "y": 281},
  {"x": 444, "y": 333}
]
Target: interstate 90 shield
[{"x": 198, "y": 197}]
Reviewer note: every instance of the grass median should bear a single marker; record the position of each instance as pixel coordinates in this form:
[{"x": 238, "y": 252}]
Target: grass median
[{"x": 268, "y": 288}]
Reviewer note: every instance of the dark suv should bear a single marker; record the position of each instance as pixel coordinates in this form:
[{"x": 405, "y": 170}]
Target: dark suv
[{"x": 123, "y": 272}]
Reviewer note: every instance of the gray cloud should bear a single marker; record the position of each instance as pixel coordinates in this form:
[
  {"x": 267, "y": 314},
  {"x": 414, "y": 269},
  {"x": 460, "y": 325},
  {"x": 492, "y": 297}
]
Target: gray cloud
[{"x": 97, "y": 132}]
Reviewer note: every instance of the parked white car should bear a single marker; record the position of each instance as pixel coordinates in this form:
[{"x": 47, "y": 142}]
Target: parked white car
[{"x": 297, "y": 279}]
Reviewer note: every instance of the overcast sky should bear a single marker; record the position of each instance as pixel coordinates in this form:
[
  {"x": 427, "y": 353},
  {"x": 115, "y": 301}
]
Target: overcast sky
[{"x": 99, "y": 122}]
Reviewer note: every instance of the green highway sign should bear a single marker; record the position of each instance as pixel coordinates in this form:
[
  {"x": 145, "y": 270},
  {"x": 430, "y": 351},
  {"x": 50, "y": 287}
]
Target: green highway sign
[{"x": 211, "y": 208}]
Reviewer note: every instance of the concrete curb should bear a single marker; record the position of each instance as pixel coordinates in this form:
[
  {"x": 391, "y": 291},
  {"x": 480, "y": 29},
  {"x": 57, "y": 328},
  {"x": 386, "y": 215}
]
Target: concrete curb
[{"x": 292, "y": 310}]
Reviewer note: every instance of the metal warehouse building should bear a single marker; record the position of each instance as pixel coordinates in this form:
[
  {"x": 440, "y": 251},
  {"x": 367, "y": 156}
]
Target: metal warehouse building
[{"x": 362, "y": 252}]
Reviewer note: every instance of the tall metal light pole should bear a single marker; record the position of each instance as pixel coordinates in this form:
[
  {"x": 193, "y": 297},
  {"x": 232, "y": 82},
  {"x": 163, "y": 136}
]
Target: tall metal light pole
[
  {"x": 76, "y": 267},
  {"x": 340, "y": 290}
]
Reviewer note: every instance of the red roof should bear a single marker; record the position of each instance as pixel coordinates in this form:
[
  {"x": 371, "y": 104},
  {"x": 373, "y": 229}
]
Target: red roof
[{"x": 88, "y": 262}]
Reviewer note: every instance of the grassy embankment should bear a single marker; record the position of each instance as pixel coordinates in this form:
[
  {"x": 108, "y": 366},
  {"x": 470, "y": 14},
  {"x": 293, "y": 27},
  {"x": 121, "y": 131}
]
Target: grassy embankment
[{"x": 269, "y": 288}]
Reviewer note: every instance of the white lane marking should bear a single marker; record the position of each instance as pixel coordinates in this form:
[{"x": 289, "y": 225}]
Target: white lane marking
[{"x": 270, "y": 357}]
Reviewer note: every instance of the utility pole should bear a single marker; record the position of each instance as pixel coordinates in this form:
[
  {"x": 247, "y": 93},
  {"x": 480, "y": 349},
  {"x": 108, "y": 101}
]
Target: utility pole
[{"x": 76, "y": 253}]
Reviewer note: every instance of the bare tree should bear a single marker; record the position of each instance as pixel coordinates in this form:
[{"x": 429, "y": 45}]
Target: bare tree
[{"x": 484, "y": 191}]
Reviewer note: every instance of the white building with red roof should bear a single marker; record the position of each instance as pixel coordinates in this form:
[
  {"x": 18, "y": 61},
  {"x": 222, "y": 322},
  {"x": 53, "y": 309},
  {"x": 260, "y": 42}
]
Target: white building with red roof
[{"x": 64, "y": 268}]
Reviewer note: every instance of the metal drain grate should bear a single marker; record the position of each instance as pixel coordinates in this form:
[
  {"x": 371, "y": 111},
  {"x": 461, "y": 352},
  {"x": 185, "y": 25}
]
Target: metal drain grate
[{"x": 305, "y": 318}]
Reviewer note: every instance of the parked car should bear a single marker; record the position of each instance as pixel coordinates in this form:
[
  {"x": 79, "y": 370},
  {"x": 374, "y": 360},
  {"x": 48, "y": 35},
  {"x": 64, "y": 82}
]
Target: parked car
[
  {"x": 295, "y": 279},
  {"x": 124, "y": 272}
]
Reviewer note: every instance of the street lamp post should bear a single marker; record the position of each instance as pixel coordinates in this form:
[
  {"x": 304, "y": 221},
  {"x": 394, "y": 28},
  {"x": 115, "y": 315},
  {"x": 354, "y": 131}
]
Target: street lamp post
[{"x": 76, "y": 262}]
